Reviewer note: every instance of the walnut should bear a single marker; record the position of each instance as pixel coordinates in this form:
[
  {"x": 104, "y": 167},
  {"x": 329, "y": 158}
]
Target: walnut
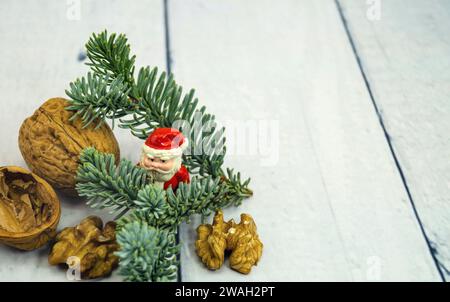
[
  {"x": 92, "y": 244},
  {"x": 29, "y": 209},
  {"x": 212, "y": 242},
  {"x": 244, "y": 242},
  {"x": 241, "y": 239},
  {"x": 51, "y": 144}
]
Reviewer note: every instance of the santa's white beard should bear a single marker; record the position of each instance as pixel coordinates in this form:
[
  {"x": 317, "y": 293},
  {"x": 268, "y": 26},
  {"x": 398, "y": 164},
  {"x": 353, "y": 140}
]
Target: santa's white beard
[{"x": 160, "y": 176}]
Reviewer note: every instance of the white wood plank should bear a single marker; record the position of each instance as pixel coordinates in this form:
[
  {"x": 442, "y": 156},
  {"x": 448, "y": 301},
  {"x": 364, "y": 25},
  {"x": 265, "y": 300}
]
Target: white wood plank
[
  {"x": 406, "y": 56},
  {"x": 333, "y": 206},
  {"x": 39, "y": 57}
]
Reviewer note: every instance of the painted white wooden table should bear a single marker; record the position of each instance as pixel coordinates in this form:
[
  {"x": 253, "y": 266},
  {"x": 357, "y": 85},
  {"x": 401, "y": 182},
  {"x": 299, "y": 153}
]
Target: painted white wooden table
[{"x": 349, "y": 161}]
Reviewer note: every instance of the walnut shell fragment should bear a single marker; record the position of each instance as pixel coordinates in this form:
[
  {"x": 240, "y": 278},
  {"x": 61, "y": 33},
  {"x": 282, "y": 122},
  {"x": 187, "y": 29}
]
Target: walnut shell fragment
[
  {"x": 93, "y": 244},
  {"x": 51, "y": 144},
  {"x": 29, "y": 209},
  {"x": 241, "y": 239}
]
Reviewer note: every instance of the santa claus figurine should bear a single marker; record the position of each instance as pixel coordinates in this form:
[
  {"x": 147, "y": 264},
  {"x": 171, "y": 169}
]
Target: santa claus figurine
[{"x": 161, "y": 157}]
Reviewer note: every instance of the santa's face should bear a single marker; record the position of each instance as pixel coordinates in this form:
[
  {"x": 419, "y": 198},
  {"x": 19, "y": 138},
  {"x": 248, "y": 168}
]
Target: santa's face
[{"x": 161, "y": 169}]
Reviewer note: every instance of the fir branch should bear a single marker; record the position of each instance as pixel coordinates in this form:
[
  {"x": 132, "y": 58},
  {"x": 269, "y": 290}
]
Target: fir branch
[
  {"x": 106, "y": 185},
  {"x": 161, "y": 104},
  {"x": 97, "y": 98},
  {"x": 232, "y": 191},
  {"x": 153, "y": 100},
  {"x": 146, "y": 236},
  {"x": 166, "y": 209},
  {"x": 124, "y": 187},
  {"x": 146, "y": 253},
  {"x": 156, "y": 97},
  {"x": 110, "y": 56}
]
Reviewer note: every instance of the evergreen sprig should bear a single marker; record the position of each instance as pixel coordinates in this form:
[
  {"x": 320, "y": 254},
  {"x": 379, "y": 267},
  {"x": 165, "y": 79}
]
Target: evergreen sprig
[
  {"x": 124, "y": 187},
  {"x": 111, "y": 91},
  {"x": 147, "y": 253},
  {"x": 166, "y": 209},
  {"x": 145, "y": 235},
  {"x": 110, "y": 56},
  {"x": 95, "y": 98},
  {"x": 106, "y": 185},
  {"x": 154, "y": 100},
  {"x": 232, "y": 191}
]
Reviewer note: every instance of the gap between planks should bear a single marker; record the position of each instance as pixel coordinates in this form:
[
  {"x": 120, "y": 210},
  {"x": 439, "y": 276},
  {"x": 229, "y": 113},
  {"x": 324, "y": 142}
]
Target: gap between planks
[{"x": 169, "y": 71}]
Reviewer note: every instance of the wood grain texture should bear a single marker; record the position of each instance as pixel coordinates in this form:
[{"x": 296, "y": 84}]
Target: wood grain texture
[
  {"x": 42, "y": 51},
  {"x": 331, "y": 206},
  {"x": 329, "y": 201},
  {"x": 406, "y": 57}
]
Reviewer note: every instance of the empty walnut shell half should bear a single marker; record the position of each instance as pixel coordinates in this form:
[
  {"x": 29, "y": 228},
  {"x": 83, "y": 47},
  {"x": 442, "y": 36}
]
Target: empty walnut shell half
[
  {"x": 51, "y": 144},
  {"x": 29, "y": 209}
]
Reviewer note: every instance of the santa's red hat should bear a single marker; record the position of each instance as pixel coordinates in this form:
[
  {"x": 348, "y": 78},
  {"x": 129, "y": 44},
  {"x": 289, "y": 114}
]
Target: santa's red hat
[{"x": 165, "y": 143}]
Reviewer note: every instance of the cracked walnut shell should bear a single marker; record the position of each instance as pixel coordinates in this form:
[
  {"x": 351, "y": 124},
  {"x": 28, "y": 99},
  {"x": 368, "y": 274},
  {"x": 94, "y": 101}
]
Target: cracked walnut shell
[
  {"x": 51, "y": 144},
  {"x": 29, "y": 209},
  {"x": 241, "y": 239},
  {"x": 90, "y": 242}
]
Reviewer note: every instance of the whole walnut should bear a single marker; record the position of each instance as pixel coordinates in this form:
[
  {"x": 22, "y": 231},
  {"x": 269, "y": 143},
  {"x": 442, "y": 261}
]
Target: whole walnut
[{"x": 51, "y": 144}]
